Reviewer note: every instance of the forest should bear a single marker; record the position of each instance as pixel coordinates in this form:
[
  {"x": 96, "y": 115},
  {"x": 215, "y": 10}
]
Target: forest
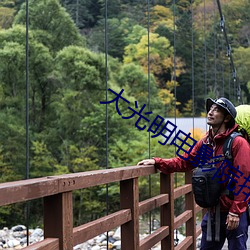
[{"x": 56, "y": 68}]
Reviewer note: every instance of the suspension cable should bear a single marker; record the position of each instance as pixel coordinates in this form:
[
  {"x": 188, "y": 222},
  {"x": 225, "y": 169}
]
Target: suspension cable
[
  {"x": 175, "y": 95},
  {"x": 27, "y": 207},
  {"x": 229, "y": 53},
  {"x": 149, "y": 137},
  {"x": 174, "y": 75},
  {"x": 107, "y": 120},
  {"x": 205, "y": 50},
  {"x": 215, "y": 54},
  {"x": 192, "y": 24}
]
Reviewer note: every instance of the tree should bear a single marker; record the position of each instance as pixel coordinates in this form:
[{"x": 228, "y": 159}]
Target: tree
[
  {"x": 53, "y": 25},
  {"x": 161, "y": 16},
  {"x": 161, "y": 57},
  {"x": 241, "y": 56},
  {"x": 40, "y": 60},
  {"x": 118, "y": 31},
  {"x": 84, "y": 13},
  {"x": 133, "y": 79},
  {"x": 6, "y": 17}
]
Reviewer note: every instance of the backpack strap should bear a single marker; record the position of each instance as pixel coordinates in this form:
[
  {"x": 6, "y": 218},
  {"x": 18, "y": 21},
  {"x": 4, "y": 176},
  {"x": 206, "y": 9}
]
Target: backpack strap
[
  {"x": 227, "y": 151},
  {"x": 227, "y": 147}
]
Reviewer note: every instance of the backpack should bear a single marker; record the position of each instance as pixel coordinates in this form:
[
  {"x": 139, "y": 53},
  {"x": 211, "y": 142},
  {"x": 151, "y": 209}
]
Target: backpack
[{"x": 206, "y": 188}]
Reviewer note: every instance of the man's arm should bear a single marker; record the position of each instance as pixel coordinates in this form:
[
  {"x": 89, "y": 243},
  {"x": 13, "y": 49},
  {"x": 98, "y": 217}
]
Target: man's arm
[{"x": 176, "y": 164}]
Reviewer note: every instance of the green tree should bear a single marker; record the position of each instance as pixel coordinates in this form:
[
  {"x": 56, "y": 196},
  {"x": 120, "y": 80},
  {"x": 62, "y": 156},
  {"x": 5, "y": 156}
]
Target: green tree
[
  {"x": 241, "y": 56},
  {"x": 42, "y": 163},
  {"x": 135, "y": 81},
  {"x": 40, "y": 60},
  {"x": 117, "y": 31},
  {"x": 53, "y": 25},
  {"x": 84, "y": 13}
]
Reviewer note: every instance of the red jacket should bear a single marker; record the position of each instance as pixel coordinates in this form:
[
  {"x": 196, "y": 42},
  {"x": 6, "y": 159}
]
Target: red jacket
[{"x": 241, "y": 158}]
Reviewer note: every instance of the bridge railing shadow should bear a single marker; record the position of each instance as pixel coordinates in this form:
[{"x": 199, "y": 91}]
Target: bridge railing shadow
[{"x": 56, "y": 192}]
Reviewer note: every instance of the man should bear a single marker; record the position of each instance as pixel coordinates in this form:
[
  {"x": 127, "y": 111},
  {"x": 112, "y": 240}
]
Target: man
[{"x": 221, "y": 115}]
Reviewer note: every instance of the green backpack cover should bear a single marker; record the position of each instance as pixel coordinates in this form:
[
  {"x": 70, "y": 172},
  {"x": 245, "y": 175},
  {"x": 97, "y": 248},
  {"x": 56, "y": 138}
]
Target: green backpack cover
[{"x": 243, "y": 118}]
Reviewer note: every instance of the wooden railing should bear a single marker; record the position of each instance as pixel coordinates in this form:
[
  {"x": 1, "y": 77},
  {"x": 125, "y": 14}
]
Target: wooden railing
[{"x": 56, "y": 192}]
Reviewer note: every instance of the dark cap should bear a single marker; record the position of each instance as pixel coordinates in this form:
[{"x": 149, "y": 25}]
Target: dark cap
[{"x": 223, "y": 103}]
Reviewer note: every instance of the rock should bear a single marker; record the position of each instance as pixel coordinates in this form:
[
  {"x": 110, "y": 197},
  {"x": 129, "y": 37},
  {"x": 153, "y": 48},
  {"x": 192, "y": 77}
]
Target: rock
[
  {"x": 117, "y": 234},
  {"x": 18, "y": 228},
  {"x": 23, "y": 240},
  {"x": 111, "y": 233},
  {"x": 117, "y": 244},
  {"x": 38, "y": 232},
  {"x": 3, "y": 233},
  {"x": 100, "y": 238},
  {"x": 80, "y": 246},
  {"x": 91, "y": 242},
  {"x": 103, "y": 243},
  {"x": 18, "y": 234},
  {"x": 18, "y": 247},
  {"x": 16, "y": 238},
  {"x": 13, "y": 243},
  {"x": 95, "y": 248},
  {"x": 111, "y": 239}
]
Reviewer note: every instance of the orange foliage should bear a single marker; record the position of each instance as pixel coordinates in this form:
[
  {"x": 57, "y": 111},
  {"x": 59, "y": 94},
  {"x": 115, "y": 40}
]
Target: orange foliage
[{"x": 197, "y": 133}]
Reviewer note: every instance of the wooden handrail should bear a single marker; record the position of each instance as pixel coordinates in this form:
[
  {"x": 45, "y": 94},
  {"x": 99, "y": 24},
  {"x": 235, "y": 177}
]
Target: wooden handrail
[{"x": 58, "y": 208}]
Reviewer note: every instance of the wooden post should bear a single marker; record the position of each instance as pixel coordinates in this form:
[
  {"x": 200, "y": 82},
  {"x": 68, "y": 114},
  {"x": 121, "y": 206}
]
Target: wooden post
[
  {"x": 129, "y": 197},
  {"x": 58, "y": 219},
  {"x": 190, "y": 205},
  {"x": 167, "y": 210}
]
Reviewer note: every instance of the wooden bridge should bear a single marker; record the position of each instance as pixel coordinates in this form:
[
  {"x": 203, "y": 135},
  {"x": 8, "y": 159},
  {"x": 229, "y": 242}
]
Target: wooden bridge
[{"x": 56, "y": 192}]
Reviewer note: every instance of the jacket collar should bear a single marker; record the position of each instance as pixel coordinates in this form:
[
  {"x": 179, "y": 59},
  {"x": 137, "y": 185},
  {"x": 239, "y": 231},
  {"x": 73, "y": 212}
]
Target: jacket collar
[{"x": 219, "y": 137}]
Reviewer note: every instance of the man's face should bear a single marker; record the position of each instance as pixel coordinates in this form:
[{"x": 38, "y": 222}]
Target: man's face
[{"x": 215, "y": 116}]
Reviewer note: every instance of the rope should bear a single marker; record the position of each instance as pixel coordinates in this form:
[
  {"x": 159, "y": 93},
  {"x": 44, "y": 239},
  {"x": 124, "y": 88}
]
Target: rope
[{"x": 27, "y": 207}]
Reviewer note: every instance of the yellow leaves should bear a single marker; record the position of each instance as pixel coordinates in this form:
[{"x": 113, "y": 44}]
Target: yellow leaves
[
  {"x": 169, "y": 100},
  {"x": 6, "y": 17},
  {"x": 179, "y": 69},
  {"x": 171, "y": 85},
  {"x": 203, "y": 114},
  {"x": 166, "y": 96},
  {"x": 159, "y": 53},
  {"x": 161, "y": 16},
  {"x": 161, "y": 12},
  {"x": 197, "y": 133},
  {"x": 188, "y": 109}
]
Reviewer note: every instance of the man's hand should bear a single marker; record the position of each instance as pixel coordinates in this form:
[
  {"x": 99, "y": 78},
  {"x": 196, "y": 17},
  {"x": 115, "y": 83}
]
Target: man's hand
[
  {"x": 146, "y": 162},
  {"x": 232, "y": 221}
]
